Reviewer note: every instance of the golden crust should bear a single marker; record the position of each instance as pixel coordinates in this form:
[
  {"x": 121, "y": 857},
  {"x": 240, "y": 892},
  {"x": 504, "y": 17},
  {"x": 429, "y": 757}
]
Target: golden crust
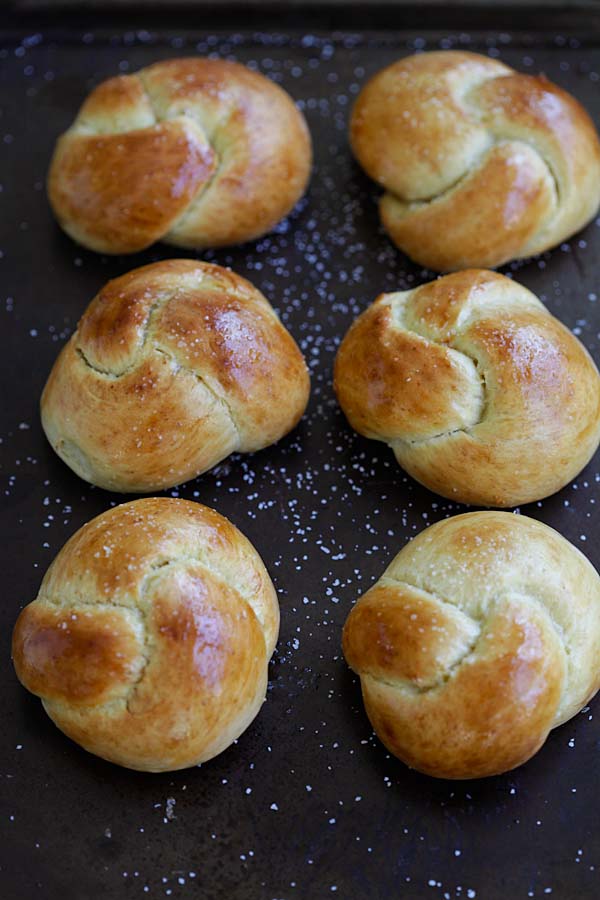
[
  {"x": 121, "y": 185},
  {"x": 195, "y": 152},
  {"x": 173, "y": 367},
  {"x": 481, "y": 636},
  {"x": 150, "y": 638},
  {"x": 472, "y": 382},
  {"x": 479, "y": 164}
]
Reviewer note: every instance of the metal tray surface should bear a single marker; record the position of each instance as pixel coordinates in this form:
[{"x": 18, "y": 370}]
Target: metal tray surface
[{"x": 307, "y": 804}]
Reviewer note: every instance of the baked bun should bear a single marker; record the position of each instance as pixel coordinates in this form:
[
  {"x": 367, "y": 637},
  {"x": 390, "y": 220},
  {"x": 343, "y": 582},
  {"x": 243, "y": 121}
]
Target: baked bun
[
  {"x": 483, "y": 396},
  {"x": 194, "y": 152},
  {"x": 151, "y": 634},
  {"x": 481, "y": 636},
  {"x": 172, "y": 367},
  {"x": 480, "y": 164}
]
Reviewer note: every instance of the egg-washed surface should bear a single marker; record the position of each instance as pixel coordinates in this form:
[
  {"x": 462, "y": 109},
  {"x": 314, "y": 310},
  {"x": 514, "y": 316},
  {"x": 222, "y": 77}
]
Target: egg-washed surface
[
  {"x": 481, "y": 636},
  {"x": 172, "y": 367},
  {"x": 149, "y": 640},
  {"x": 308, "y": 795},
  {"x": 480, "y": 164},
  {"x": 469, "y": 380},
  {"x": 195, "y": 152}
]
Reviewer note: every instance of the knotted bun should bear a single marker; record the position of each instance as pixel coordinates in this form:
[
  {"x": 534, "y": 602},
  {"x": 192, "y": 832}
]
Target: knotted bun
[
  {"x": 481, "y": 636},
  {"x": 173, "y": 367},
  {"x": 480, "y": 164},
  {"x": 483, "y": 396},
  {"x": 151, "y": 634},
  {"x": 194, "y": 152}
]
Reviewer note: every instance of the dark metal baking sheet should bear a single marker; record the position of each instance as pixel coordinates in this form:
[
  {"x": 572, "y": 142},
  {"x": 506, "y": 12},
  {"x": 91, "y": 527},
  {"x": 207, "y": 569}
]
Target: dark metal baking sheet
[{"x": 307, "y": 804}]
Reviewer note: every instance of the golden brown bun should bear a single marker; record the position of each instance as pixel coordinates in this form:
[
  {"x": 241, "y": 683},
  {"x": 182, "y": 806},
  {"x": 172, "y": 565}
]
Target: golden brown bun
[
  {"x": 483, "y": 396},
  {"x": 194, "y": 152},
  {"x": 173, "y": 367},
  {"x": 151, "y": 634},
  {"x": 480, "y": 164},
  {"x": 481, "y": 636}
]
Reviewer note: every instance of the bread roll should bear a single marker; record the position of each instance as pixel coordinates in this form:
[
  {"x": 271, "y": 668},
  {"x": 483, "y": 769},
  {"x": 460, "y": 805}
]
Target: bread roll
[
  {"x": 150, "y": 637},
  {"x": 481, "y": 636},
  {"x": 194, "y": 152},
  {"x": 480, "y": 164},
  {"x": 172, "y": 367},
  {"x": 483, "y": 396}
]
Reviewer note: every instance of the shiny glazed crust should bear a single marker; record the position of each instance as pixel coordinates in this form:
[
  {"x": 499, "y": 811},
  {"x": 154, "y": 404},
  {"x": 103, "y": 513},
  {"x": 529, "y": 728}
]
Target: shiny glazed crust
[
  {"x": 151, "y": 634},
  {"x": 481, "y": 636},
  {"x": 194, "y": 152},
  {"x": 173, "y": 367},
  {"x": 483, "y": 396},
  {"x": 480, "y": 164}
]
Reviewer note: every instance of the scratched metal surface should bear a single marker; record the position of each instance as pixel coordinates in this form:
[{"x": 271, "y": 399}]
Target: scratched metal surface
[{"x": 307, "y": 804}]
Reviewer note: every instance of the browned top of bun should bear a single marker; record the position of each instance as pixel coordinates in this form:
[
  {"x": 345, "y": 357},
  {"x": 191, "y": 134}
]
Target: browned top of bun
[
  {"x": 480, "y": 164},
  {"x": 196, "y": 152},
  {"x": 472, "y": 382},
  {"x": 151, "y": 633},
  {"x": 173, "y": 366},
  {"x": 481, "y": 636}
]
